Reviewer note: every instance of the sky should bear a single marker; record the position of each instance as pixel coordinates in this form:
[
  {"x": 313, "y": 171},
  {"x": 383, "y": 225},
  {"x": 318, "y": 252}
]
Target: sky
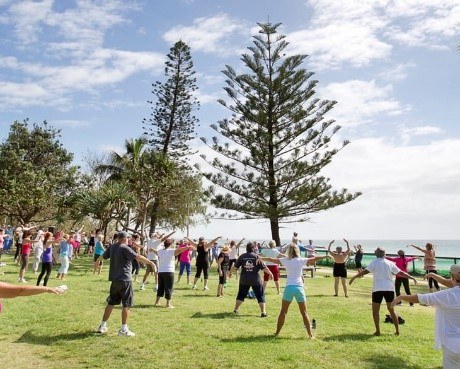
[{"x": 393, "y": 66}]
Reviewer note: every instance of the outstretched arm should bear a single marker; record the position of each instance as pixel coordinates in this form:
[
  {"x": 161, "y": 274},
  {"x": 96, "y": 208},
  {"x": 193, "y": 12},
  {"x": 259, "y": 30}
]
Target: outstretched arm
[
  {"x": 211, "y": 243},
  {"x": 164, "y": 238},
  {"x": 180, "y": 250},
  {"x": 409, "y": 298},
  {"x": 348, "y": 246},
  {"x": 444, "y": 281},
  {"x": 329, "y": 247},
  {"x": 272, "y": 260},
  {"x": 194, "y": 244},
  {"x": 360, "y": 274},
  {"x": 418, "y": 248},
  {"x": 408, "y": 276},
  {"x": 10, "y": 290}
]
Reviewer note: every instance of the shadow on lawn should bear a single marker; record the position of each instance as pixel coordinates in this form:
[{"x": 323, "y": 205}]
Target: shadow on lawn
[
  {"x": 385, "y": 361},
  {"x": 260, "y": 338},
  {"x": 349, "y": 337},
  {"x": 223, "y": 315},
  {"x": 29, "y": 337}
]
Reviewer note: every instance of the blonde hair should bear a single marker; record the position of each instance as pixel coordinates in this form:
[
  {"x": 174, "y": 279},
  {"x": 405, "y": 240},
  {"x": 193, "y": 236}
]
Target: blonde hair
[
  {"x": 293, "y": 251},
  {"x": 271, "y": 244}
]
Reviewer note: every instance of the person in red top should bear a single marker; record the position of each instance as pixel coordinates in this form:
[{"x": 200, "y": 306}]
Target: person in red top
[
  {"x": 402, "y": 261},
  {"x": 26, "y": 248}
]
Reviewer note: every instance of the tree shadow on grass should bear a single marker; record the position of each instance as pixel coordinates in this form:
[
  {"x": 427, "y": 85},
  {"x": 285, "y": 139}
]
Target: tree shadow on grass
[
  {"x": 385, "y": 361},
  {"x": 29, "y": 337},
  {"x": 349, "y": 337},
  {"x": 224, "y": 315},
  {"x": 268, "y": 338}
]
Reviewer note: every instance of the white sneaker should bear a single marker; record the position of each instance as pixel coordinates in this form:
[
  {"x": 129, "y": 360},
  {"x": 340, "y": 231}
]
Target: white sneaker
[
  {"x": 142, "y": 287},
  {"x": 194, "y": 287},
  {"x": 23, "y": 280},
  {"x": 205, "y": 288},
  {"x": 126, "y": 333},
  {"x": 102, "y": 329}
]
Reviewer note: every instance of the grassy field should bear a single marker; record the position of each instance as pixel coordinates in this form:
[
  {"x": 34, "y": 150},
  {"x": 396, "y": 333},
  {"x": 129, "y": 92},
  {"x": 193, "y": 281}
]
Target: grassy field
[{"x": 49, "y": 331}]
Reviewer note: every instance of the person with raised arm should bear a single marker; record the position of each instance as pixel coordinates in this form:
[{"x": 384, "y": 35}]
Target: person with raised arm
[
  {"x": 153, "y": 242},
  {"x": 202, "y": 261},
  {"x": 121, "y": 289},
  {"x": 447, "y": 319},
  {"x": 339, "y": 269},
  {"x": 401, "y": 262},
  {"x": 250, "y": 264},
  {"x": 233, "y": 254},
  {"x": 270, "y": 253},
  {"x": 294, "y": 284},
  {"x": 166, "y": 261},
  {"x": 429, "y": 263},
  {"x": 382, "y": 287}
]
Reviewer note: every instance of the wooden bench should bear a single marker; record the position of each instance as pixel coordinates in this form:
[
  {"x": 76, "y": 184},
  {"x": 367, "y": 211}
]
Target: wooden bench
[{"x": 306, "y": 269}]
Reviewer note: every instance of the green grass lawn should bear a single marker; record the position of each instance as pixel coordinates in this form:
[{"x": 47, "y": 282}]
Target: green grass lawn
[{"x": 48, "y": 331}]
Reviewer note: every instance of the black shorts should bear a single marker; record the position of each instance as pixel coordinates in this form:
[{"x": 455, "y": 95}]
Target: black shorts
[
  {"x": 258, "y": 291},
  {"x": 121, "y": 292},
  {"x": 378, "y": 296},
  {"x": 358, "y": 264},
  {"x": 96, "y": 256},
  {"x": 340, "y": 270},
  {"x": 230, "y": 263}
]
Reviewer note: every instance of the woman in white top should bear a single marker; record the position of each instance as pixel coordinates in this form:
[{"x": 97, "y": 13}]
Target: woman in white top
[
  {"x": 294, "y": 285},
  {"x": 166, "y": 261}
]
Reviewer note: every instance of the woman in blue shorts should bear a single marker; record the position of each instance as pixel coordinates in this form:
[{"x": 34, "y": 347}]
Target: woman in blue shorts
[{"x": 294, "y": 285}]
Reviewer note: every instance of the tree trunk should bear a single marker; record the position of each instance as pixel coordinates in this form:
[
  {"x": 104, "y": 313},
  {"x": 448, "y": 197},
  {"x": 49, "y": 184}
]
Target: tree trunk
[
  {"x": 154, "y": 215},
  {"x": 274, "y": 225}
]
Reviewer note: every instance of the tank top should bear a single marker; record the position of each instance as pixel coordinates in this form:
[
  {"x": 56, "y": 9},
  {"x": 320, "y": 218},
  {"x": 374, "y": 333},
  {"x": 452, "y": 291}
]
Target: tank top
[
  {"x": 202, "y": 254},
  {"x": 430, "y": 260}
]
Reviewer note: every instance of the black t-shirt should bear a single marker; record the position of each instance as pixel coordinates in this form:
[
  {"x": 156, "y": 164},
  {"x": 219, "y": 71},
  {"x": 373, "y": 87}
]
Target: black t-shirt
[
  {"x": 225, "y": 260},
  {"x": 250, "y": 265}
]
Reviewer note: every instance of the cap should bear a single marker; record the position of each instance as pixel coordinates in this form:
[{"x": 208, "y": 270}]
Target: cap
[{"x": 122, "y": 234}]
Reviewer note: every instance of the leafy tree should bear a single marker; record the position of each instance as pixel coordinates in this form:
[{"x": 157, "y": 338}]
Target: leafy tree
[
  {"x": 171, "y": 125},
  {"x": 277, "y": 140},
  {"x": 36, "y": 174}
]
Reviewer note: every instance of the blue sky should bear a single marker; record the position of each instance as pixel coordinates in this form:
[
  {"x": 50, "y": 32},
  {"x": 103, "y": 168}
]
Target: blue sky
[{"x": 393, "y": 66}]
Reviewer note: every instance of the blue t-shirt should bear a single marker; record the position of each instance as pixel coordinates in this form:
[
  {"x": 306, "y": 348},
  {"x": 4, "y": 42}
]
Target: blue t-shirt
[
  {"x": 99, "y": 248},
  {"x": 63, "y": 248}
]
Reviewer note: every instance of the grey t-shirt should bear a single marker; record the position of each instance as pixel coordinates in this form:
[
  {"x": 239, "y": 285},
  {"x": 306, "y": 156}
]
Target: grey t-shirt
[
  {"x": 250, "y": 265},
  {"x": 121, "y": 257}
]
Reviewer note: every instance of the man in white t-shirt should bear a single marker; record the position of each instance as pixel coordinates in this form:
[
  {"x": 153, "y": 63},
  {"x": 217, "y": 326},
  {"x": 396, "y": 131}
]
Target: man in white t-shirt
[
  {"x": 153, "y": 242},
  {"x": 382, "y": 286},
  {"x": 447, "y": 321}
]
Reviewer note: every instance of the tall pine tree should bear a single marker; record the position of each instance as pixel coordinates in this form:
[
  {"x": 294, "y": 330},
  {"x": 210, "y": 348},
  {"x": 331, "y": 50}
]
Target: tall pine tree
[
  {"x": 171, "y": 125},
  {"x": 277, "y": 140}
]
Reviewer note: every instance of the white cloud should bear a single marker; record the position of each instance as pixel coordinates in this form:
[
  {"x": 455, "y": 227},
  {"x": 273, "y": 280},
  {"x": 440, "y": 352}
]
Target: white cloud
[
  {"x": 209, "y": 35},
  {"x": 361, "y": 102},
  {"x": 397, "y": 72},
  {"x": 408, "y": 133},
  {"x": 70, "y": 123},
  {"x": 358, "y": 33}
]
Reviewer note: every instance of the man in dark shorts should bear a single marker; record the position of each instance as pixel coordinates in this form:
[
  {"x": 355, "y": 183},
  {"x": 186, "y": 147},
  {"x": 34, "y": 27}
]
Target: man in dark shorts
[
  {"x": 250, "y": 264},
  {"x": 121, "y": 290},
  {"x": 382, "y": 287}
]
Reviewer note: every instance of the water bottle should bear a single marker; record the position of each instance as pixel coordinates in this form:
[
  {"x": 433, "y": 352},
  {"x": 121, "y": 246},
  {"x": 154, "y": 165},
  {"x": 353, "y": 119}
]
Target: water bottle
[{"x": 313, "y": 324}]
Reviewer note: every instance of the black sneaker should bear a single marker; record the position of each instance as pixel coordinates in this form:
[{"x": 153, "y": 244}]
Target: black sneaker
[{"x": 263, "y": 315}]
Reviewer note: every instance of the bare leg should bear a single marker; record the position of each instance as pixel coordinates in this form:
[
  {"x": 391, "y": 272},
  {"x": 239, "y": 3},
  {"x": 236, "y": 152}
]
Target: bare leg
[
  {"x": 375, "y": 315},
  {"x": 262, "y": 307},
  {"x": 277, "y": 284},
  {"x": 394, "y": 317},
  {"x": 237, "y": 305},
  {"x": 107, "y": 312},
  {"x": 282, "y": 316},
  {"x": 125, "y": 315},
  {"x": 265, "y": 285},
  {"x": 305, "y": 317},
  {"x": 157, "y": 300},
  {"x": 336, "y": 286},
  {"x": 344, "y": 285}
]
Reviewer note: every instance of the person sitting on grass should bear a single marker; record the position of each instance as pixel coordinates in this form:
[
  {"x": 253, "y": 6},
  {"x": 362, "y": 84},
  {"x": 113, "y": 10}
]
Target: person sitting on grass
[
  {"x": 447, "y": 320},
  {"x": 382, "y": 287},
  {"x": 339, "y": 270},
  {"x": 294, "y": 284}
]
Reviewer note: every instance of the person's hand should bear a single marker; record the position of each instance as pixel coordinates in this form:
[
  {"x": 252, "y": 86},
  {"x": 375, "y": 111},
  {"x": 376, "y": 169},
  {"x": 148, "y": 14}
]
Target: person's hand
[
  {"x": 57, "y": 290},
  {"x": 220, "y": 273},
  {"x": 415, "y": 281},
  {"x": 351, "y": 280}
]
